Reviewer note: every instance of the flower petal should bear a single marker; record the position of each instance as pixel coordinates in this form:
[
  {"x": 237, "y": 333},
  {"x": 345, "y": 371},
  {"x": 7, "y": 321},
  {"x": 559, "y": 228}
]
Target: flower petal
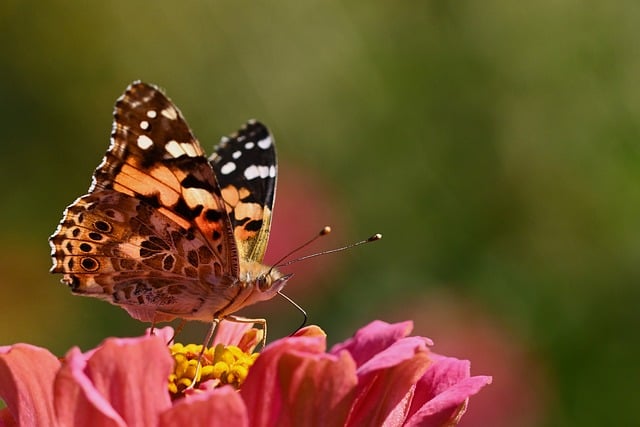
[
  {"x": 167, "y": 333},
  {"x": 441, "y": 394},
  {"x": 122, "y": 382},
  {"x": 6, "y": 419},
  {"x": 318, "y": 387},
  {"x": 310, "y": 331},
  {"x": 386, "y": 383},
  {"x": 372, "y": 339},
  {"x": 221, "y": 407},
  {"x": 261, "y": 390},
  {"x": 77, "y": 402},
  {"x": 230, "y": 333},
  {"x": 29, "y": 397}
]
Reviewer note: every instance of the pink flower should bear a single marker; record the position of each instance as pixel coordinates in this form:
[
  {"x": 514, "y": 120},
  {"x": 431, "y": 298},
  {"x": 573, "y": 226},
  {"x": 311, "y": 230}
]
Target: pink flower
[{"x": 381, "y": 376}]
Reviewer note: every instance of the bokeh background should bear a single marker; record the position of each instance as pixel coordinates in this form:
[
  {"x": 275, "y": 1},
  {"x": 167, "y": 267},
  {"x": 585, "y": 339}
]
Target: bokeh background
[{"x": 496, "y": 145}]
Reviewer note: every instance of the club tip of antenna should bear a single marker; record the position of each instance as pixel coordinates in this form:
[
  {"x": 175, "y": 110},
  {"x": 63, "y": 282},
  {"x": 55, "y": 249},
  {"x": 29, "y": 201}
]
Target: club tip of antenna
[
  {"x": 375, "y": 237},
  {"x": 325, "y": 230}
]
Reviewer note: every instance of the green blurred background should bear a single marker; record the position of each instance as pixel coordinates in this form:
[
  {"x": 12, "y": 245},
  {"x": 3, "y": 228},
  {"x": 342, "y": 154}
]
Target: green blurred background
[{"x": 496, "y": 145}]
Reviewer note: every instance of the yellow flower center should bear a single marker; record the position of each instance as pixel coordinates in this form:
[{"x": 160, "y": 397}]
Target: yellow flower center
[{"x": 222, "y": 364}]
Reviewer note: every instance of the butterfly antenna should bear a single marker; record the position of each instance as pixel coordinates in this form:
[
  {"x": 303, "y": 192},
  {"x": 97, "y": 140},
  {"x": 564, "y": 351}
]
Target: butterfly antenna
[
  {"x": 325, "y": 230},
  {"x": 373, "y": 238},
  {"x": 300, "y": 309}
]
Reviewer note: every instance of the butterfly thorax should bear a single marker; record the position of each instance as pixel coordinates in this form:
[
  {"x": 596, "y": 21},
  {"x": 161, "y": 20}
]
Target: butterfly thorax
[{"x": 256, "y": 282}]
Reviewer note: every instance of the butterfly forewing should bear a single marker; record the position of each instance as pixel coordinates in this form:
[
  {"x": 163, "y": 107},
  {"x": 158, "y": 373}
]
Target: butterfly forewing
[
  {"x": 153, "y": 234},
  {"x": 245, "y": 165},
  {"x": 155, "y": 157}
]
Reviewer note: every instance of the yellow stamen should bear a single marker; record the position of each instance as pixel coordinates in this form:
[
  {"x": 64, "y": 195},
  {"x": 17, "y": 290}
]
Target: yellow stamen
[{"x": 226, "y": 364}]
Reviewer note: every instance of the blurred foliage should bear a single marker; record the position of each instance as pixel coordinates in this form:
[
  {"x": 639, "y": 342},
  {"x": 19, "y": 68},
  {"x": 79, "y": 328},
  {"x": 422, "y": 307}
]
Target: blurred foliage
[{"x": 495, "y": 144}]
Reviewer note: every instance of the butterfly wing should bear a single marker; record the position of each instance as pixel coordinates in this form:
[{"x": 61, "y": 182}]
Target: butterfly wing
[
  {"x": 245, "y": 165},
  {"x": 153, "y": 234}
]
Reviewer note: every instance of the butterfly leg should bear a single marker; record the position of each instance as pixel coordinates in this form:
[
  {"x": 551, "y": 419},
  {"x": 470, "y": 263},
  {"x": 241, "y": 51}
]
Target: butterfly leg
[
  {"x": 177, "y": 331},
  {"x": 152, "y": 328},
  {"x": 300, "y": 309},
  {"x": 205, "y": 345},
  {"x": 261, "y": 322}
]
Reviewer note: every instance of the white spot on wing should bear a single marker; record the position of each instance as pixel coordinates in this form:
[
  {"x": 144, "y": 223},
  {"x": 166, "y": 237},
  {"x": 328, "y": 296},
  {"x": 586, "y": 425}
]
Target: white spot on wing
[
  {"x": 228, "y": 167},
  {"x": 170, "y": 113},
  {"x": 251, "y": 172},
  {"x": 189, "y": 149},
  {"x": 272, "y": 171},
  {"x": 144, "y": 142},
  {"x": 249, "y": 145},
  {"x": 264, "y": 171},
  {"x": 265, "y": 143},
  {"x": 198, "y": 196},
  {"x": 152, "y": 114},
  {"x": 174, "y": 149},
  {"x": 144, "y": 125},
  {"x": 236, "y": 154}
]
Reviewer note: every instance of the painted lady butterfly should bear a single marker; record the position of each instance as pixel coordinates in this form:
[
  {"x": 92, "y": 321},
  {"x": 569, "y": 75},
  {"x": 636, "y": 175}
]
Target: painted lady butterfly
[{"x": 164, "y": 232}]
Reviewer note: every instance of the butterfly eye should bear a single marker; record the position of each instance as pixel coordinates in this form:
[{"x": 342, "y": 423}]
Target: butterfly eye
[{"x": 262, "y": 282}]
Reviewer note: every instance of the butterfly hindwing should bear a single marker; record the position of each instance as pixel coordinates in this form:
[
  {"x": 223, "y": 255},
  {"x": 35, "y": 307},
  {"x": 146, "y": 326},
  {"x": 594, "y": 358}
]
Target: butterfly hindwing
[
  {"x": 118, "y": 248},
  {"x": 246, "y": 167}
]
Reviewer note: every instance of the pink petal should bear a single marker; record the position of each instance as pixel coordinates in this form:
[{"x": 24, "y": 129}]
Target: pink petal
[
  {"x": 250, "y": 340},
  {"x": 26, "y": 384},
  {"x": 372, "y": 339},
  {"x": 231, "y": 333},
  {"x": 220, "y": 407},
  {"x": 167, "y": 333},
  {"x": 122, "y": 382},
  {"x": 399, "y": 351},
  {"x": 261, "y": 390},
  {"x": 77, "y": 402},
  {"x": 310, "y": 331},
  {"x": 441, "y": 393},
  {"x": 318, "y": 387},
  {"x": 386, "y": 382},
  {"x": 6, "y": 419},
  {"x": 398, "y": 413}
]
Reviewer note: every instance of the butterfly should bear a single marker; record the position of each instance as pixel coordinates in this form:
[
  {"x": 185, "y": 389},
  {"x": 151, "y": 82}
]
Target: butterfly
[{"x": 165, "y": 232}]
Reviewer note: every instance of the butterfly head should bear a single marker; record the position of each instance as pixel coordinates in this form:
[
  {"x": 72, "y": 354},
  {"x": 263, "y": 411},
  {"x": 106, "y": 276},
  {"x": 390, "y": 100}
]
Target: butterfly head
[{"x": 266, "y": 281}]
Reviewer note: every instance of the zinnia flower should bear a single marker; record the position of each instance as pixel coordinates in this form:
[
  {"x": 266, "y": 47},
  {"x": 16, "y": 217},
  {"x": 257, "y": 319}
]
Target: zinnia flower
[{"x": 381, "y": 376}]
